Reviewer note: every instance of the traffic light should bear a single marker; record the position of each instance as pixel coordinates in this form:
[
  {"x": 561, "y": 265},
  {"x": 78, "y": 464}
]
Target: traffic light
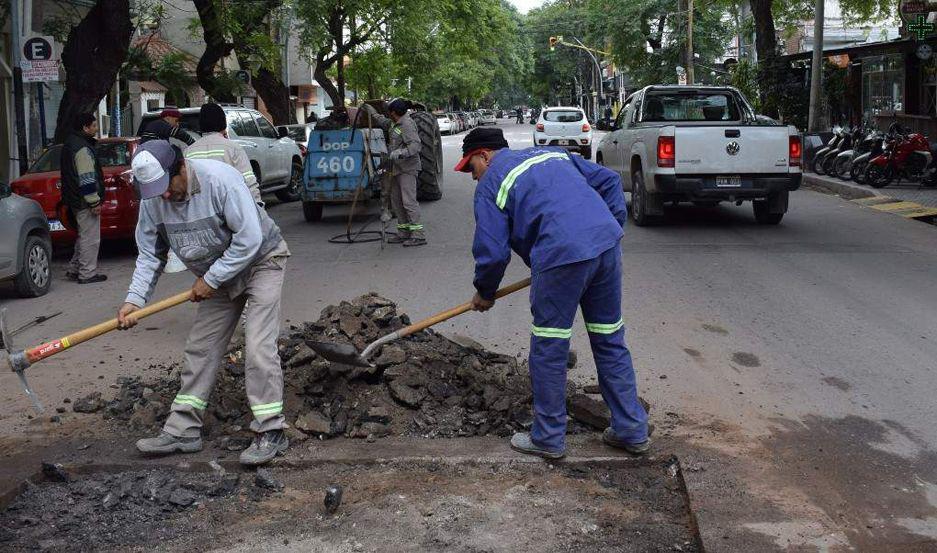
[{"x": 552, "y": 43}]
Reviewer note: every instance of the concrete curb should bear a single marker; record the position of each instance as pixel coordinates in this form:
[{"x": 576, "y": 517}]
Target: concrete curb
[{"x": 846, "y": 189}]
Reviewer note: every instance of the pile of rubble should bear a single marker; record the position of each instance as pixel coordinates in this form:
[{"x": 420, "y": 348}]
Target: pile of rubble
[{"x": 425, "y": 385}]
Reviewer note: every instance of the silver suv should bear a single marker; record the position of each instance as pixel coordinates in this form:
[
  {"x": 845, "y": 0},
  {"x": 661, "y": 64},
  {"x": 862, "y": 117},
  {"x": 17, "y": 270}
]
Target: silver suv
[
  {"x": 25, "y": 247},
  {"x": 276, "y": 159}
]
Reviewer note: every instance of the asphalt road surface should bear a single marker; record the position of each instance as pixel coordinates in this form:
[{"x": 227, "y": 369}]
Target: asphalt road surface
[{"x": 791, "y": 368}]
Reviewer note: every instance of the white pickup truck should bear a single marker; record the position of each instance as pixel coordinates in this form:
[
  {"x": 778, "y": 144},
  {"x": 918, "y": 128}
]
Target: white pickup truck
[{"x": 704, "y": 145}]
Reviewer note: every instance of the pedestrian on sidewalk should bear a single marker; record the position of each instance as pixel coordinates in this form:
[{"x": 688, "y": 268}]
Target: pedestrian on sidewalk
[
  {"x": 166, "y": 127},
  {"x": 202, "y": 210},
  {"x": 404, "y": 158},
  {"x": 83, "y": 193},
  {"x": 563, "y": 216},
  {"x": 215, "y": 144}
]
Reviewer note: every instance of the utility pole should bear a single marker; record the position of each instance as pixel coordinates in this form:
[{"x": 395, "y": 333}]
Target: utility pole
[
  {"x": 689, "y": 43},
  {"x": 598, "y": 75},
  {"x": 816, "y": 71},
  {"x": 16, "y": 28}
]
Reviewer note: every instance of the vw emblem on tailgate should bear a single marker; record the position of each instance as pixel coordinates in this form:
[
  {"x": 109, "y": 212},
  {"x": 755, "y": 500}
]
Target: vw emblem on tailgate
[{"x": 732, "y": 148}]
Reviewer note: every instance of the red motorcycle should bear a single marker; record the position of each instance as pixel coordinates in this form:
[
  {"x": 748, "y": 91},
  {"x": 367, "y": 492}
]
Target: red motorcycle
[{"x": 906, "y": 156}]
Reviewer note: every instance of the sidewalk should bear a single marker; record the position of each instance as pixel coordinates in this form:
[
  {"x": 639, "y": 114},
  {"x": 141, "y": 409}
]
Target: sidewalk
[{"x": 906, "y": 199}]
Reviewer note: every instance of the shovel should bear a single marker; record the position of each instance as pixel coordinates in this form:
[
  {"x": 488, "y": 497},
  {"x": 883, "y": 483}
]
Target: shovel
[{"x": 346, "y": 354}]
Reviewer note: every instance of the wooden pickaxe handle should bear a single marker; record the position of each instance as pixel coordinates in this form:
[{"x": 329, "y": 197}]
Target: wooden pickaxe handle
[{"x": 49, "y": 349}]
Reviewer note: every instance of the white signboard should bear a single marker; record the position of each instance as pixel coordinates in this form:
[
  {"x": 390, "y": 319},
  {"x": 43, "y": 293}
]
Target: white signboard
[{"x": 39, "y": 61}]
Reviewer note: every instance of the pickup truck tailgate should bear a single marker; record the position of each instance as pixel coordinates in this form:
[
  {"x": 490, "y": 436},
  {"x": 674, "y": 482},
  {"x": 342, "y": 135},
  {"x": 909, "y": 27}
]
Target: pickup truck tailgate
[{"x": 731, "y": 150}]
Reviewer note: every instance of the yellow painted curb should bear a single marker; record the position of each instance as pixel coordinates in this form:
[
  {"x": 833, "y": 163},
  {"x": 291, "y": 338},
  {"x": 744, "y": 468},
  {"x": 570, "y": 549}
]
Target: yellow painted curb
[{"x": 909, "y": 210}]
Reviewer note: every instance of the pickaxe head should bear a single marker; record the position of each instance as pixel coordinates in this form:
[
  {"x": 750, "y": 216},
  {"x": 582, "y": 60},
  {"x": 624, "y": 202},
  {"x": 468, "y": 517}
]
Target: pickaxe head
[{"x": 17, "y": 361}]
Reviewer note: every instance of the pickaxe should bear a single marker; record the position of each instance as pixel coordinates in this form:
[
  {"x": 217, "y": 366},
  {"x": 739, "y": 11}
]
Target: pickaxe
[{"x": 20, "y": 360}]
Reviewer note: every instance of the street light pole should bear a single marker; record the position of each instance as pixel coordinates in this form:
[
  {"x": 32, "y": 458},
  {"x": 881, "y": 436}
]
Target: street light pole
[
  {"x": 816, "y": 73},
  {"x": 598, "y": 74},
  {"x": 18, "y": 108},
  {"x": 689, "y": 43}
]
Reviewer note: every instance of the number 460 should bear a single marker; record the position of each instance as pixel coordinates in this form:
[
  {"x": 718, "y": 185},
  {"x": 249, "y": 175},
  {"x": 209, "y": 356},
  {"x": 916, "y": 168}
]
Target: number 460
[{"x": 336, "y": 164}]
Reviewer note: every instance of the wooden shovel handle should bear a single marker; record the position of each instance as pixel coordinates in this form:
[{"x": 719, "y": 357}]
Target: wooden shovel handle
[
  {"x": 56, "y": 346},
  {"x": 467, "y": 306}
]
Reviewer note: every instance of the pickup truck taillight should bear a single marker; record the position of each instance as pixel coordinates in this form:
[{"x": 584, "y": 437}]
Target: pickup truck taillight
[
  {"x": 666, "y": 151},
  {"x": 539, "y": 127},
  {"x": 794, "y": 151},
  {"x": 586, "y": 127}
]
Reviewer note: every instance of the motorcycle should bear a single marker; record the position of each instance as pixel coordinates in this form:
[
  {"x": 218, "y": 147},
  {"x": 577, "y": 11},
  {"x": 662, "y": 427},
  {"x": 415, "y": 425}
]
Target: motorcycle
[
  {"x": 850, "y": 137},
  {"x": 842, "y": 163},
  {"x": 821, "y": 153},
  {"x": 874, "y": 143},
  {"x": 906, "y": 156}
]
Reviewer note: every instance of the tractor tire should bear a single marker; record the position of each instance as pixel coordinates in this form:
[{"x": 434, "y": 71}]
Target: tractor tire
[{"x": 429, "y": 180}]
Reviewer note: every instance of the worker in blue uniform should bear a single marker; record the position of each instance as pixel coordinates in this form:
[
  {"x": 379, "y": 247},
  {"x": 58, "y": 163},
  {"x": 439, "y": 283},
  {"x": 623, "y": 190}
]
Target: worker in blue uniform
[{"x": 563, "y": 216}]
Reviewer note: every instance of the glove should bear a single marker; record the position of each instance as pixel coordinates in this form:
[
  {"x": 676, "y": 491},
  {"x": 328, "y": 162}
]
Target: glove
[{"x": 395, "y": 155}]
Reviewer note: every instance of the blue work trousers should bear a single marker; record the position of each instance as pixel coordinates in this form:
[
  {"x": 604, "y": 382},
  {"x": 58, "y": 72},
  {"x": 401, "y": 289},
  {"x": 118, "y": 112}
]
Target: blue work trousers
[{"x": 595, "y": 286}]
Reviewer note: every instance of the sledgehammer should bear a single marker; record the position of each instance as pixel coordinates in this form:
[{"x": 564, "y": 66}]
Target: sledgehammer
[{"x": 20, "y": 360}]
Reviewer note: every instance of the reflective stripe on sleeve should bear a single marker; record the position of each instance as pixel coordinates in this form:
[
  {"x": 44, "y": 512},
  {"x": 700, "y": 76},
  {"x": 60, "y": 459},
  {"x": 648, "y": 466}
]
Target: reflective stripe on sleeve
[{"x": 516, "y": 172}]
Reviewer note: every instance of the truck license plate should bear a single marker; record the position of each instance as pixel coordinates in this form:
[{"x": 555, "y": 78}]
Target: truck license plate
[
  {"x": 55, "y": 225},
  {"x": 733, "y": 181}
]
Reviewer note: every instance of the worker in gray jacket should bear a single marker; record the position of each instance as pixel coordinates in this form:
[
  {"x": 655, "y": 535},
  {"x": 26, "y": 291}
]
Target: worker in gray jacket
[
  {"x": 404, "y": 158},
  {"x": 215, "y": 144},
  {"x": 203, "y": 211}
]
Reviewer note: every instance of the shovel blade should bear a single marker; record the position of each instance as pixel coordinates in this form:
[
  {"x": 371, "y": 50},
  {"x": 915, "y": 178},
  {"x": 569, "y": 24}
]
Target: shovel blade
[{"x": 344, "y": 354}]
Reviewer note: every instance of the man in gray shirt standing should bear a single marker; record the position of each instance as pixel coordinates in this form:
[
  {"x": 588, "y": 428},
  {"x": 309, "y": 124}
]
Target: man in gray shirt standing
[{"x": 203, "y": 211}]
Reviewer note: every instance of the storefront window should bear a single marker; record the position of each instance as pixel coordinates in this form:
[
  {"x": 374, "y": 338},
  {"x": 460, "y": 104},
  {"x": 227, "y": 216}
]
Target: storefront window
[{"x": 883, "y": 84}]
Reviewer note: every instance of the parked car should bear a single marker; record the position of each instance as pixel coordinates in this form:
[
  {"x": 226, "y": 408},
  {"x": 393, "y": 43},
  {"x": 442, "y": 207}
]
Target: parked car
[
  {"x": 565, "y": 127},
  {"x": 446, "y": 125},
  {"x": 702, "y": 144},
  {"x": 470, "y": 121},
  {"x": 42, "y": 182},
  {"x": 276, "y": 160},
  {"x": 25, "y": 250},
  {"x": 299, "y": 133},
  {"x": 459, "y": 120},
  {"x": 487, "y": 117}
]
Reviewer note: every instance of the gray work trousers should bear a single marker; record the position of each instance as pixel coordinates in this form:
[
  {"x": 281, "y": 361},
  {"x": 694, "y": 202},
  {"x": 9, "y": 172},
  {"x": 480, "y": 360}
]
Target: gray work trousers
[
  {"x": 208, "y": 342},
  {"x": 84, "y": 261},
  {"x": 406, "y": 207}
]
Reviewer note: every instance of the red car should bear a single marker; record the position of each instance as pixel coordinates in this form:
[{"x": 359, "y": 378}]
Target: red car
[{"x": 120, "y": 207}]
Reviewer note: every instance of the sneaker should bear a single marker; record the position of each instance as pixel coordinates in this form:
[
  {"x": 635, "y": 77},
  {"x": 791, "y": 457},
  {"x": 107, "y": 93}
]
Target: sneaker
[
  {"x": 166, "y": 443},
  {"x": 92, "y": 280},
  {"x": 522, "y": 442},
  {"x": 639, "y": 448},
  {"x": 414, "y": 242},
  {"x": 397, "y": 239},
  {"x": 266, "y": 446},
  {"x": 71, "y": 276}
]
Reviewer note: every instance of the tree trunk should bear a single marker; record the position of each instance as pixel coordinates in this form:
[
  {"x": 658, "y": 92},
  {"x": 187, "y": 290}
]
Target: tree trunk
[
  {"x": 322, "y": 78},
  {"x": 766, "y": 46},
  {"x": 275, "y": 94},
  {"x": 216, "y": 49},
  {"x": 94, "y": 52},
  {"x": 341, "y": 79}
]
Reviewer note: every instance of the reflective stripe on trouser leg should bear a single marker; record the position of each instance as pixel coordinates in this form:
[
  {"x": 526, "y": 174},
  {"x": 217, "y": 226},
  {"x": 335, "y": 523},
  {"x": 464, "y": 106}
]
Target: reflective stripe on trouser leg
[
  {"x": 554, "y": 299},
  {"x": 409, "y": 203},
  {"x": 601, "y": 308},
  {"x": 208, "y": 340},
  {"x": 262, "y": 371}
]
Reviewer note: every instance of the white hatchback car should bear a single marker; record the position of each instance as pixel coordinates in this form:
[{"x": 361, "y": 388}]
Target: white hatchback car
[
  {"x": 565, "y": 127},
  {"x": 445, "y": 124},
  {"x": 487, "y": 118}
]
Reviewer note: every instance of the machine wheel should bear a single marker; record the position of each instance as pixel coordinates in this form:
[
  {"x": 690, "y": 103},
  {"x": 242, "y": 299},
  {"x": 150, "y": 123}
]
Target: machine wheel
[
  {"x": 639, "y": 201},
  {"x": 429, "y": 180},
  {"x": 312, "y": 212},
  {"x": 877, "y": 176},
  {"x": 763, "y": 215},
  {"x": 35, "y": 278},
  {"x": 291, "y": 192}
]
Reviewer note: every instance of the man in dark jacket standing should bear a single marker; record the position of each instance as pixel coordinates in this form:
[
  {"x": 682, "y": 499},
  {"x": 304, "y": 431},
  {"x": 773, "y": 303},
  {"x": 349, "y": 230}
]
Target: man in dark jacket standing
[
  {"x": 166, "y": 127},
  {"x": 83, "y": 192}
]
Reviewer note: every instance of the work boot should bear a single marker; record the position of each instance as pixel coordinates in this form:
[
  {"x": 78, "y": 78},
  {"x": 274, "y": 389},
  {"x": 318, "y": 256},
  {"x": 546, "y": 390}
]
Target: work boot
[
  {"x": 92, "y": 279},
  {"x": 639, "y": 448},
  {"x": 414, "y": 242},
  {"x": 166, "y": 443},
  {"x": 266, "y": 446},
  {"x": 398, "y": 238},
  {"x": 522, "y": 442}
]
